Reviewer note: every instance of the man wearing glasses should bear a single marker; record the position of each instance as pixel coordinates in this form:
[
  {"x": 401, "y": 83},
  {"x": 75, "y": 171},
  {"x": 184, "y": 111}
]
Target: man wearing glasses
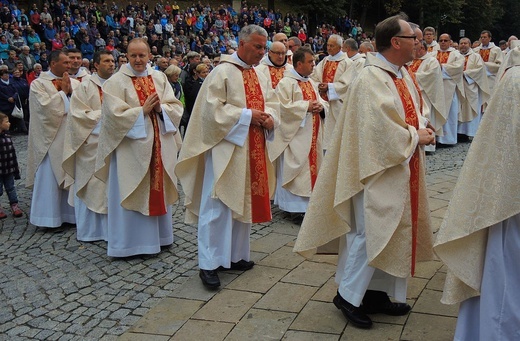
[
  {"x": 371, "y": 189},
  {"x": 452, "y": 66},
  {"x": 274, "y": 64}
]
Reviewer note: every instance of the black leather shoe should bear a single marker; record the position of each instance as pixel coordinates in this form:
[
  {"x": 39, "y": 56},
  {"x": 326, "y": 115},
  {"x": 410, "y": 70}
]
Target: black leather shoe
[
  {"x": 378, "y": 302},
  {"x": 209, "y": 278},
  {"x": 242, "y": 265},
  {"x": 353, "y": 314}
]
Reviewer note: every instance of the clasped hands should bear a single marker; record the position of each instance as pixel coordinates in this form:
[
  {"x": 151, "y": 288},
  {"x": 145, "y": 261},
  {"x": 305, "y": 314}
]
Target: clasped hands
[
  {"x": 315, "y": 107},
  {"x": 262, "y": 119},
  {"x": 426, "y": 136},
  {"x": 323, "y": 87},
  {"x": 152, "y": 102}
]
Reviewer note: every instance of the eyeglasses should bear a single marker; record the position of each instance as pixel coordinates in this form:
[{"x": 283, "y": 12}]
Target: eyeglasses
[
  {"x": 409, "y": 37},
  {"x": 443, "y": 41},
  {"x": 278, "y": 53}
]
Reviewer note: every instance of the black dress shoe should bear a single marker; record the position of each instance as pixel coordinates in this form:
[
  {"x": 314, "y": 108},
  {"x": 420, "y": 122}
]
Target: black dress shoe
[
  {"x": 353, "y": 314},
  {"x": 242, "y": 265},
  {"x": 209, "y": 278},
  {"x": 378, "y": 302}
]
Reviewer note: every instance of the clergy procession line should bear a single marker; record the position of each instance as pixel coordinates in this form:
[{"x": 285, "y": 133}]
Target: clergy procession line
[{"x": 340, "y": 146}]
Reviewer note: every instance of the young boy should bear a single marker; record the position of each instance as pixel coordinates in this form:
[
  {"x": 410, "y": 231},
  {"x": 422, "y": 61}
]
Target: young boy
[{"x": 8, "y": 167}]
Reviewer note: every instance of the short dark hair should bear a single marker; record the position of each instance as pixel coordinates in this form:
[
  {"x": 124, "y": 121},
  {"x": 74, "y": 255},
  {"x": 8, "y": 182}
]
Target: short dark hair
[
  {"x": 299, "y": 55},
  {"x": 385, "y": 31},
  {"x": 55, "y": 55},
  {"x": 486, "y": 31},
  {"x": 98, "y": 54},
  {"x": 72, "y": 50}
]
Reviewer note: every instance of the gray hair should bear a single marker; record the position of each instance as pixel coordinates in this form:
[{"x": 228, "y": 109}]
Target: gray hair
[
  {"x": 339, "y": 39},
  {"x": 192, "y": 54},
  {"x": 351, "y": 43},
  {"x": 368, "y": 45},
  {"x": 172, "y": 70},
  {"x": 246, "y": 32}
]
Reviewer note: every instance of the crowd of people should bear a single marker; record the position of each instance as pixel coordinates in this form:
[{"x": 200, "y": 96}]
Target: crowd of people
[{"x": 246, "y": 111}]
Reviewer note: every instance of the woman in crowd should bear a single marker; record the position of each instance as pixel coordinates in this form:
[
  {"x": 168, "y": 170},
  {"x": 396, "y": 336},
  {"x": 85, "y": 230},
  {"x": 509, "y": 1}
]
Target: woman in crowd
[{"x": 198, "y": 72}]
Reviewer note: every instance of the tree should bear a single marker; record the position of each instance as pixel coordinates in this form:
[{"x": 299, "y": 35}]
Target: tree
[{"x": 318, "y": 10}]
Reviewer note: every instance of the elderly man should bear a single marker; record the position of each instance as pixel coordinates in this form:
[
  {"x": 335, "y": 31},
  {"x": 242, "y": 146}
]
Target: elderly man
[
  {"x": 429, "y": 37},
  {"x": 223, "y": 166},
  {"x": 27, "y": 59},
  {"x": 137, "y": 152},
  {"x": 366, "y": 47},
  {"x": 491, "y": 54},
  {"x": 192, "y": 58},
  {"x": 427, "y": 71},
  {"x": 282, "y": 38},
  {"x": 476, "y": 90},
  {"x": 49, "y": 106},
  {"x": 296, "y": 148},
  {"x": 372, "y": 193},
  {"x": 162, "y": 64},
  {"x": 479, "y": 239},
  {"x": 452, "y": 66},
  {"x": 77, "y": 71},
  {"x": 88, "y": 195},
  {"x": 274, "y": 64},
  {"x": 328, "y": 74}
]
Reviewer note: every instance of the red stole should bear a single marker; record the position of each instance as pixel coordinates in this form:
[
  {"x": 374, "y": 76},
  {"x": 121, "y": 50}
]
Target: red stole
[
  {"x": 411, "y": 119},
  {"x": 260, "y": 202},
  {"x": 484, "y": 54},
  {"x": 414, "y": 79},
  {"x": 442, "y": 56},
  {"x": 100, "y": 94},
  {"x": 57, "y": 83},
  {"x": 144, "y": 87},
  {"x": 79, "y": 79},
  {"x": 276, "y": 74},
  {"x": 414, "y": 66},
  {"x": 329, "y": 71},
  {"x": 466, "y": 61},
  {"x": 430, "y": 48},
  {"x": 310, "y": 95}
]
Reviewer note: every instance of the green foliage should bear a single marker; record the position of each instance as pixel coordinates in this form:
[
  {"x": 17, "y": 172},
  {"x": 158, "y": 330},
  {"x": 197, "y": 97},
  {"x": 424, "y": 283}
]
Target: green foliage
[{"x": 323, "y": 8}]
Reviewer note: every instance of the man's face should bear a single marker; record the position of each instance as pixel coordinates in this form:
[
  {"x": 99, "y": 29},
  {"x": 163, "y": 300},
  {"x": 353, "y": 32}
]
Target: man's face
[
  {"x": 292, "y": 46},
  {"x": 12, "y": 54},
  {"x": 253, "y": 50},
  {"x": 332, "y": 46},
  {"x": 485, "y": 39},
  {"x": 75, "y": 60},
  {"x": 282, "y": 38},
  {"x": 418, "y": 33},
  {"x": 138, "y": 56},
  {"x": 444, "y": 41},
  {"x": 277, "y": 54},
  {"x": 407, "y": 42},
  {"x": 122, "y": 60},
  {"x": 305, "y": 68},
  {"x": 60, "y": 66},
  {"x": 106, "y": 66},
  {"x": 464, "y": 46},
  {"x": 163, "y": 63},
  {"x": 429, "y": 36}
]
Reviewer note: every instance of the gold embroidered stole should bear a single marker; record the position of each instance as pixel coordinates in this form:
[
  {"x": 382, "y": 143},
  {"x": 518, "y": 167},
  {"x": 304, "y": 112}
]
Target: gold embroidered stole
[
  {"x": 442, "y": 56},
  {"x": 411, "y": 119},
  {"x": 144, "y": 87},
  {"x": 329, "y": 71},
  {"x": 414, "y": 66},
  {"x": 57, "y": 83},
  {"x": 430, "y": 48},
  {"x": 466, "y": 61},
  {"x": 485, "y": 54},
  {"x": 416, "y": 84},
  {"x": 260, "y": 203},
  {"x": 310, "y": 95},
  {"x": 276, "y": 74}
]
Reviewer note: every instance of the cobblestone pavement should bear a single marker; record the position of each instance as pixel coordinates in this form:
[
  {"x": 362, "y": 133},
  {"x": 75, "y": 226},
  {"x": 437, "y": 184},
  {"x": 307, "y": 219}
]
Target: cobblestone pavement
[{"x": 55, "y": 287}]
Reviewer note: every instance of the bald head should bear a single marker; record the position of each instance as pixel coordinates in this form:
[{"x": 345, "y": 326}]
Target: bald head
[{"x": 281, "y": 37}]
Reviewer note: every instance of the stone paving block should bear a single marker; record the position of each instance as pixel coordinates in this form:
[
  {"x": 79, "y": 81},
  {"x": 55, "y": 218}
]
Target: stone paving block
[
  {"x": 437, "y": 282},
  {"x": 423, "y": 327},
  {"x": 193, "y": 288},
  {"x": 264, "y": 324},
  {"x": 227, "y": 306},
  {"x": 430, "y": 303},
  {"x": 440, "y": 213},
  {"x": 271, "y": 242},
  {"x": 436, "y": 223},
  {"x": 258, "y": 279},
  {"x": 325, "y": 258},
  {"x": 167, "y": 317},
  {"x": 295, "y": 335},
  {"x": 285, "y": 228},
  {"x": 286, "y": 297},
  {"x": 140, "y": 337},
  {"x": 415, "y": 286},
  {"x": 327, "y": 291},
  {"x": 427, "y": 269},
  {"x": 258, "y": 256},
  {"x": 319, "y": 317},
  {"x": 379, "y": 331},
  {"x": 311, "y": 273},
  {"x": 445, "y": 195},
  {"x": 284, "y": 257},
  {"x": 203, "y": 330},
  {"x": 435, "y": 204}
]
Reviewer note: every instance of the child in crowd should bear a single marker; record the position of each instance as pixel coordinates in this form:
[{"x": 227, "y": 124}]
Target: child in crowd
[{"x": 8, "y": 167}]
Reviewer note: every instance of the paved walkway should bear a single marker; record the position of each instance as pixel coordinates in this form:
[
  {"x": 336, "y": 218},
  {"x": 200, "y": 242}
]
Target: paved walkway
[{"x": 54, "y": 287}]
